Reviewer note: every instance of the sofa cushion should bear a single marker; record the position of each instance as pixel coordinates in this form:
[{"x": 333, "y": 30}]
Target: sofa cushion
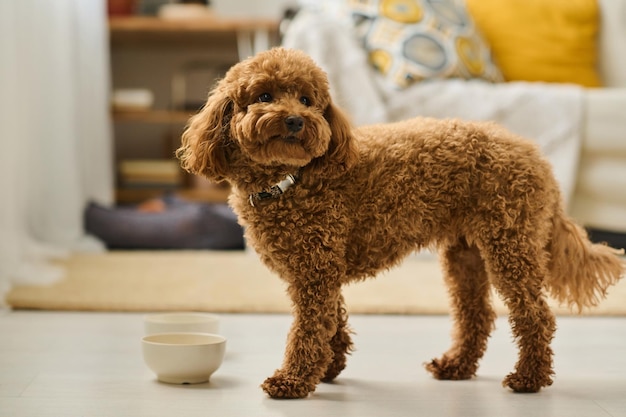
[
  {"x": 539, "y": 40},
  {"x": 613, "y": 42},
  {"x": 412, "y": 40},
  {"x": 604, "y": 123},
  {"x": 597, "y": 213}
]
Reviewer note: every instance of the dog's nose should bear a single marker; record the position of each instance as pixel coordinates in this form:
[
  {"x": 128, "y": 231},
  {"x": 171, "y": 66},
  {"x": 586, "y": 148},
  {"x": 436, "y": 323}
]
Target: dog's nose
[{"x": 294, "y": 123}]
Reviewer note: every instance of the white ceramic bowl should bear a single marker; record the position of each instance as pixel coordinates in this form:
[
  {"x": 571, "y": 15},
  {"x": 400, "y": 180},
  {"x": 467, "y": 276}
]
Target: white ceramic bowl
[
  {"x": 183, "y": 358},
  {"x": 181, "y": 322}
]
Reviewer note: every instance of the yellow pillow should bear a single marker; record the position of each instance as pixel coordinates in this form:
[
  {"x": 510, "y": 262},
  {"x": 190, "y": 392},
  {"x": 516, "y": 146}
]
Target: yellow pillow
[{"x": 541, "y": 40}]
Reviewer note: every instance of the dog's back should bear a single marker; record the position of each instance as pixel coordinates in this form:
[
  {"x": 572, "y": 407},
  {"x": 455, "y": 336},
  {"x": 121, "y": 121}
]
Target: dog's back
[{"x": 425, "y": 182}]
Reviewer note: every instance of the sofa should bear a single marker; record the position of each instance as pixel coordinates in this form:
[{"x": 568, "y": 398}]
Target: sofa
[
  {"x": 599, "y": 200},
  {"x": 581, "y": 125}
]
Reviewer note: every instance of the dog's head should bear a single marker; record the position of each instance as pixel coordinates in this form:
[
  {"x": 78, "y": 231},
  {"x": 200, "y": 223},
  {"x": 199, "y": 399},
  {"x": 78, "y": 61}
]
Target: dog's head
[{"x": 271, "y": 110}]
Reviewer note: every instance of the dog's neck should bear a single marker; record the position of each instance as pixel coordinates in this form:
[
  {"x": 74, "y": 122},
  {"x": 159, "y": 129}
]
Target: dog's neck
[
  {"x": 258, "y": 182},
  {"x": 274, "y": 191}
]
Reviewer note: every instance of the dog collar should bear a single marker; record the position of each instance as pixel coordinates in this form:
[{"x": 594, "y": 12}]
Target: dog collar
[{"x": 274, "y": 191}]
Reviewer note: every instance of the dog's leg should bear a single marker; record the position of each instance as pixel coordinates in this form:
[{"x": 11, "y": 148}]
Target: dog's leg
[
  {"x": 518, "y": 274},
  {"x": 309, "y": 353},
  {"x": 468, "y": 285},
  {"x": 341, "y": 344}
]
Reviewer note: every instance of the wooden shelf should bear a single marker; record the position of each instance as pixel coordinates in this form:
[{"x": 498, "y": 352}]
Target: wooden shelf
[
  {"x": 142, "y": 30},
  {"x": 152, "y": 116},
  {"x": 208, "y": 36},
  {"x": 206, "y": 195},
  {"x": 135, "y": 24}
]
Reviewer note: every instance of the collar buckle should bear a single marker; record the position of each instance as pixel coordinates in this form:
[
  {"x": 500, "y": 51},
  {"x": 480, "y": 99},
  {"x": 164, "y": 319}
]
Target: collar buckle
[{"x": 274, "y": 191}]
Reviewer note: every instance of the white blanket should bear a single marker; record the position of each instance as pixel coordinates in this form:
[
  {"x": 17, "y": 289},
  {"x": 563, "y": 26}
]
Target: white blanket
[{"x": 550, "y": 114}]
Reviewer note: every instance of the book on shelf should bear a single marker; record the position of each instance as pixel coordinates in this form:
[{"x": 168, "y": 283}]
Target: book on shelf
[{"x": 149, "y": 173}]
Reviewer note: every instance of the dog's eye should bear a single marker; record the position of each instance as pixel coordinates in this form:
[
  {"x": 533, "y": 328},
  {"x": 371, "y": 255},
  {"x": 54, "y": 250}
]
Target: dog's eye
[
  {"x": 265, "y": 98},
  {"x": 306, "y": 101}
]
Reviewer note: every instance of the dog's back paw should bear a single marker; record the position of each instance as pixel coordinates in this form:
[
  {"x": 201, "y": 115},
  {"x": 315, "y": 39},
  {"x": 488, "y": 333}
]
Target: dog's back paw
[{"x": 526, "y": 384}]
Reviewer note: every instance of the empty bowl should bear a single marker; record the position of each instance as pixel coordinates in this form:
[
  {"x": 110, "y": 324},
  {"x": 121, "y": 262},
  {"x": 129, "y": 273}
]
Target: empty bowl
[
  {"x": 183, "y": 358},
  {"x": 181, "y": 322}
]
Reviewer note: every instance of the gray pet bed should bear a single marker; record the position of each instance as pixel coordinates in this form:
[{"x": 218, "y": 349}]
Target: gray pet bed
[{"x": 182, "y": 225}]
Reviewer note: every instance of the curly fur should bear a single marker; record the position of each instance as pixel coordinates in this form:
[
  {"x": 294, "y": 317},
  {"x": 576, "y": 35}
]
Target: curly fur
[{"x": 367, "y": 197}]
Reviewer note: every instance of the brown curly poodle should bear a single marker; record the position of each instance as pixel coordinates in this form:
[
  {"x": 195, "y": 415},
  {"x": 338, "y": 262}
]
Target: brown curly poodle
[{"x": 325, "y": 204}]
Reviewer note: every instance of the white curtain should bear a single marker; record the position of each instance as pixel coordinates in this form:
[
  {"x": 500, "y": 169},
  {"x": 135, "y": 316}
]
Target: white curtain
[{"x": 55, "y": 132}]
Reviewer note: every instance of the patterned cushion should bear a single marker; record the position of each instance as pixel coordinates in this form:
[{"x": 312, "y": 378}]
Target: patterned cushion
[{"x": 413, "y": 40}]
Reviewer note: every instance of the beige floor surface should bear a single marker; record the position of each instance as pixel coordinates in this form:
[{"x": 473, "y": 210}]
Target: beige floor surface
[{"x": 63, "y": 364}]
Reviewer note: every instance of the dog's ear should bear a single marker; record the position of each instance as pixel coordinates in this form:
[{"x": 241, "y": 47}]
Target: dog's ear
[
  {"x": 342, "y": 151},
  {"x": 204, "y": 141}
]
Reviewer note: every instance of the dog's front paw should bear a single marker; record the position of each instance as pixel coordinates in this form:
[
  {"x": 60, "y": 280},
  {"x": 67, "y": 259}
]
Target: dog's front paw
[
  {"x": 450, "y": 368},
  {"x": 526, "y": 384},
  {"x": 284, "y": 386}
]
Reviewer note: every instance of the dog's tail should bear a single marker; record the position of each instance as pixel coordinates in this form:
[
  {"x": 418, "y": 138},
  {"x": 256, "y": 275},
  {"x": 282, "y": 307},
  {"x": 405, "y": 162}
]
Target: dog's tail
[{"x": 580, "y": 272}]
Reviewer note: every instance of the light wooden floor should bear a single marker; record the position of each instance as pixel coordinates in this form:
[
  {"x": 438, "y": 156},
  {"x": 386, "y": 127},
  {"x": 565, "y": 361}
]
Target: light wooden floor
[{"x": 90, "y": 364}]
